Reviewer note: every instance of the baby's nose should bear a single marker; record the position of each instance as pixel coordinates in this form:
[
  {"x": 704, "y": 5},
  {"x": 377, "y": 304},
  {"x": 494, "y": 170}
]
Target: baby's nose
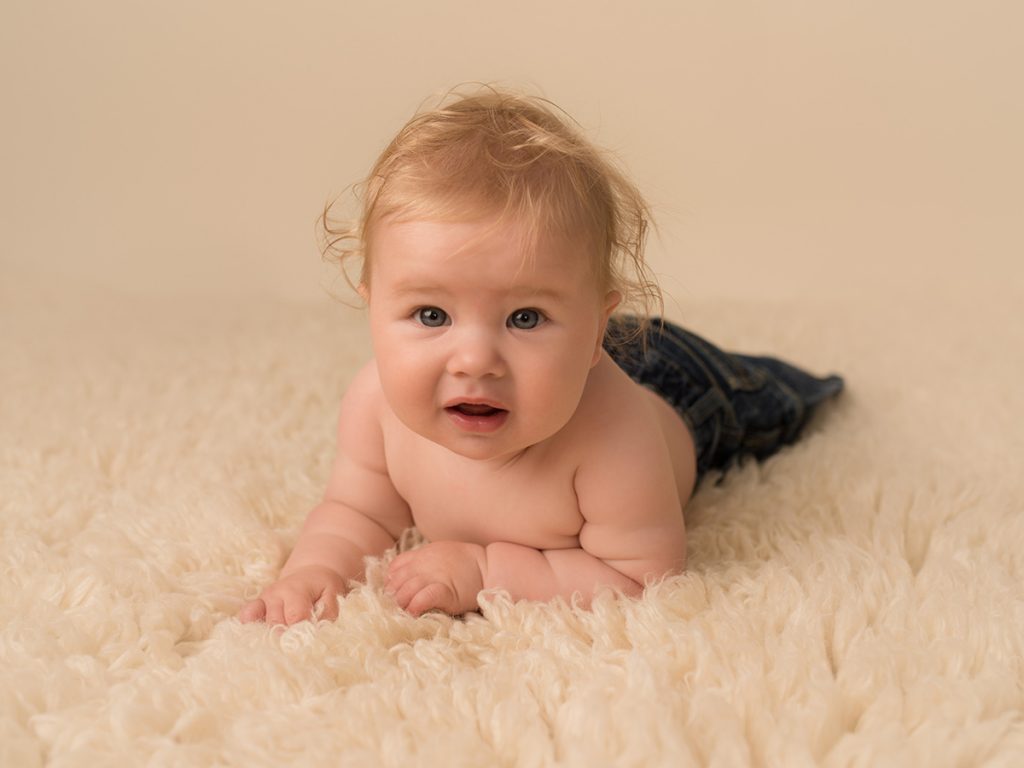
[{"x": 476, "y": 355}]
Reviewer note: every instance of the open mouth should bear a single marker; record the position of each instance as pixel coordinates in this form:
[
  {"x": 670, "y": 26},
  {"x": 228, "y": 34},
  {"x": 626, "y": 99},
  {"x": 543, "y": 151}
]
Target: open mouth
[
  {"x": 477, "y": 417},
  {"x": 471, "y": 409}
]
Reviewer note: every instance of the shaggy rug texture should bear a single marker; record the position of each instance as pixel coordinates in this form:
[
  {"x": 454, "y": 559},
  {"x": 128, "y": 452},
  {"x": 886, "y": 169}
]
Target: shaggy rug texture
[{"x": 854, "y": 600}]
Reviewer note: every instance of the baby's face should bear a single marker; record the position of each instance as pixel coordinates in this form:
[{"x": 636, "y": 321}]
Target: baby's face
[{"x": 477, "y": 349}]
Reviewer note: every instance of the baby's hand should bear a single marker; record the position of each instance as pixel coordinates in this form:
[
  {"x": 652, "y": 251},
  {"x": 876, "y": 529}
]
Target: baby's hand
[
  {"x": 291, "y": 599},
  {"x": 446, "y": 575}
]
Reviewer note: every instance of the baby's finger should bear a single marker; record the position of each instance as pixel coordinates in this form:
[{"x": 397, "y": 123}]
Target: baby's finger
[
  {"x": 409, "y": 589},
  {"x": 254, "y": 610},
  {"x": 296, "y": 609},
  {"x": 431, "y": 596},
  {"x": 401, "y": 564},
  {"x": 396, "y": 577},
  {"x": 328, "y": 603},
  {"x": 393, "y": 582},
  {"x": 275, "y": 610}
]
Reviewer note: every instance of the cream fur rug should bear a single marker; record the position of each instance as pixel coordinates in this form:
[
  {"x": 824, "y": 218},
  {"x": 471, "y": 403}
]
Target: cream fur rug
[{"x": 856, "y": 600}]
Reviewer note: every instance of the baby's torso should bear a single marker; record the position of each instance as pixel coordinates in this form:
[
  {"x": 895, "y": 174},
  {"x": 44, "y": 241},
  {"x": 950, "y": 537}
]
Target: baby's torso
[{"x": 530, "y": 501}]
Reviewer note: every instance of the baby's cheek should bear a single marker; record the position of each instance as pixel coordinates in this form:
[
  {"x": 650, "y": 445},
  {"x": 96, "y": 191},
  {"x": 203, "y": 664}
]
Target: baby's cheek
[
  {"x": 411, "y": 395},
  {"x": 555, "y": 399}
]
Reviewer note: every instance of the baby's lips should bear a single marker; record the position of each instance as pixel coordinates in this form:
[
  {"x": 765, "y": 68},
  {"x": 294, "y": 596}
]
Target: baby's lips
[
  {"x": 477, "y": 417},
  {"x": 475, "y": 404},
  {"x": 471, "y": 409}
]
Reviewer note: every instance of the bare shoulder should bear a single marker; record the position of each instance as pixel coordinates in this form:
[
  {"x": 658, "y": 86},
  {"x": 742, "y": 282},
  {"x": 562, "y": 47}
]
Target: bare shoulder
[
  {"x": 632, "y": 482},
  {"x": 359, "y": 476},
  {"x": 359, "y": 418},
  {"x": 612, "y": 400},
  {"x": 365, "y": 384},
  {"x": 630, "y": 433}
]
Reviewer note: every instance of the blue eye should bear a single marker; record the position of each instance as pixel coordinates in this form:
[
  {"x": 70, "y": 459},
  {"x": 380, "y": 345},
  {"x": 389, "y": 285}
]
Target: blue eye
[
  {"x": 524, "y": 319},
  {"x": 432, "y": 317}
]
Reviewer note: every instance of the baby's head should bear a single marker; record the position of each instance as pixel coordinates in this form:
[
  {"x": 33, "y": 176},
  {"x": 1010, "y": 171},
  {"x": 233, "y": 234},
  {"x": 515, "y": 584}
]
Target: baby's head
[{"x": 496, "y": 154}]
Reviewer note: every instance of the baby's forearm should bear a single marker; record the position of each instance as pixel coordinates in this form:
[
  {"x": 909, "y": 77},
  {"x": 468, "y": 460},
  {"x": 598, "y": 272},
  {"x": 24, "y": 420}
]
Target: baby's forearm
[
  {"x": 530, "y": 574},
  {"x": 337, "y": 537}
]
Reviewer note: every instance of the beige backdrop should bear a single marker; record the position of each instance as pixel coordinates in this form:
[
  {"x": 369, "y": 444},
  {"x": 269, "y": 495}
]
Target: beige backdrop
[
  {"x": 789, "y": 148},
  {"x": 838, "y": 182}
]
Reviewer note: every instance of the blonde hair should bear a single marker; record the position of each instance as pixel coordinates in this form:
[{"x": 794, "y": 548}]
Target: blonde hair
[{"x": 495, "y": 151}]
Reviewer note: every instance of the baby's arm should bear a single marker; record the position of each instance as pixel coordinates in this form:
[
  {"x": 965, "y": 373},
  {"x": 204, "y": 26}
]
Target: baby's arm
[
  {"x": 447, "y": 575},
  {"x": 633, "y": 529},
  {"x": 360, "y": 515}
]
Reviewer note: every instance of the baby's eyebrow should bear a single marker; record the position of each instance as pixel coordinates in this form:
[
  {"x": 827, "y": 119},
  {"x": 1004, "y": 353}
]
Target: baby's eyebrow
[
  {"x": 525, "y": 291},
  {"x": 416, "y": 287},
  {"x": 552, "y": 294}
]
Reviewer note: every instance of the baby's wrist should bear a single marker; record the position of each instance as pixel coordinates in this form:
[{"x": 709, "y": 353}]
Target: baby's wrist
[
  {"x": 303, "y": 569},
  {"x": 479, "y": 552}
]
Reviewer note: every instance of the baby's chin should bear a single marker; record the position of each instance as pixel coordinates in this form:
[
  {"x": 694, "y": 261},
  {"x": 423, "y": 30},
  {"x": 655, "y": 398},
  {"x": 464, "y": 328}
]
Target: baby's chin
[
  {"x": 482, "y": 448},
  {"x": 509, "y": 443},
  {"x": 499, "y": 449}
]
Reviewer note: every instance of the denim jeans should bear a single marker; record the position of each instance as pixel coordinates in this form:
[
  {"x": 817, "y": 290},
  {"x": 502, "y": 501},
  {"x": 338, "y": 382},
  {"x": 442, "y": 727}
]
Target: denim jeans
[{"x": 734, "y": 405}]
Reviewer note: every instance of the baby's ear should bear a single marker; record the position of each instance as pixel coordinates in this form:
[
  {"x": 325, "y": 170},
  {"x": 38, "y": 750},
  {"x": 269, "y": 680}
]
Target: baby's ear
[{"x": 611, "y": 301}]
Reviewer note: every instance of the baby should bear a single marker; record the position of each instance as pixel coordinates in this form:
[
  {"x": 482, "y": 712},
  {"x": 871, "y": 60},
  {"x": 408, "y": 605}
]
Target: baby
[{"x": 541, "y": 444}]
